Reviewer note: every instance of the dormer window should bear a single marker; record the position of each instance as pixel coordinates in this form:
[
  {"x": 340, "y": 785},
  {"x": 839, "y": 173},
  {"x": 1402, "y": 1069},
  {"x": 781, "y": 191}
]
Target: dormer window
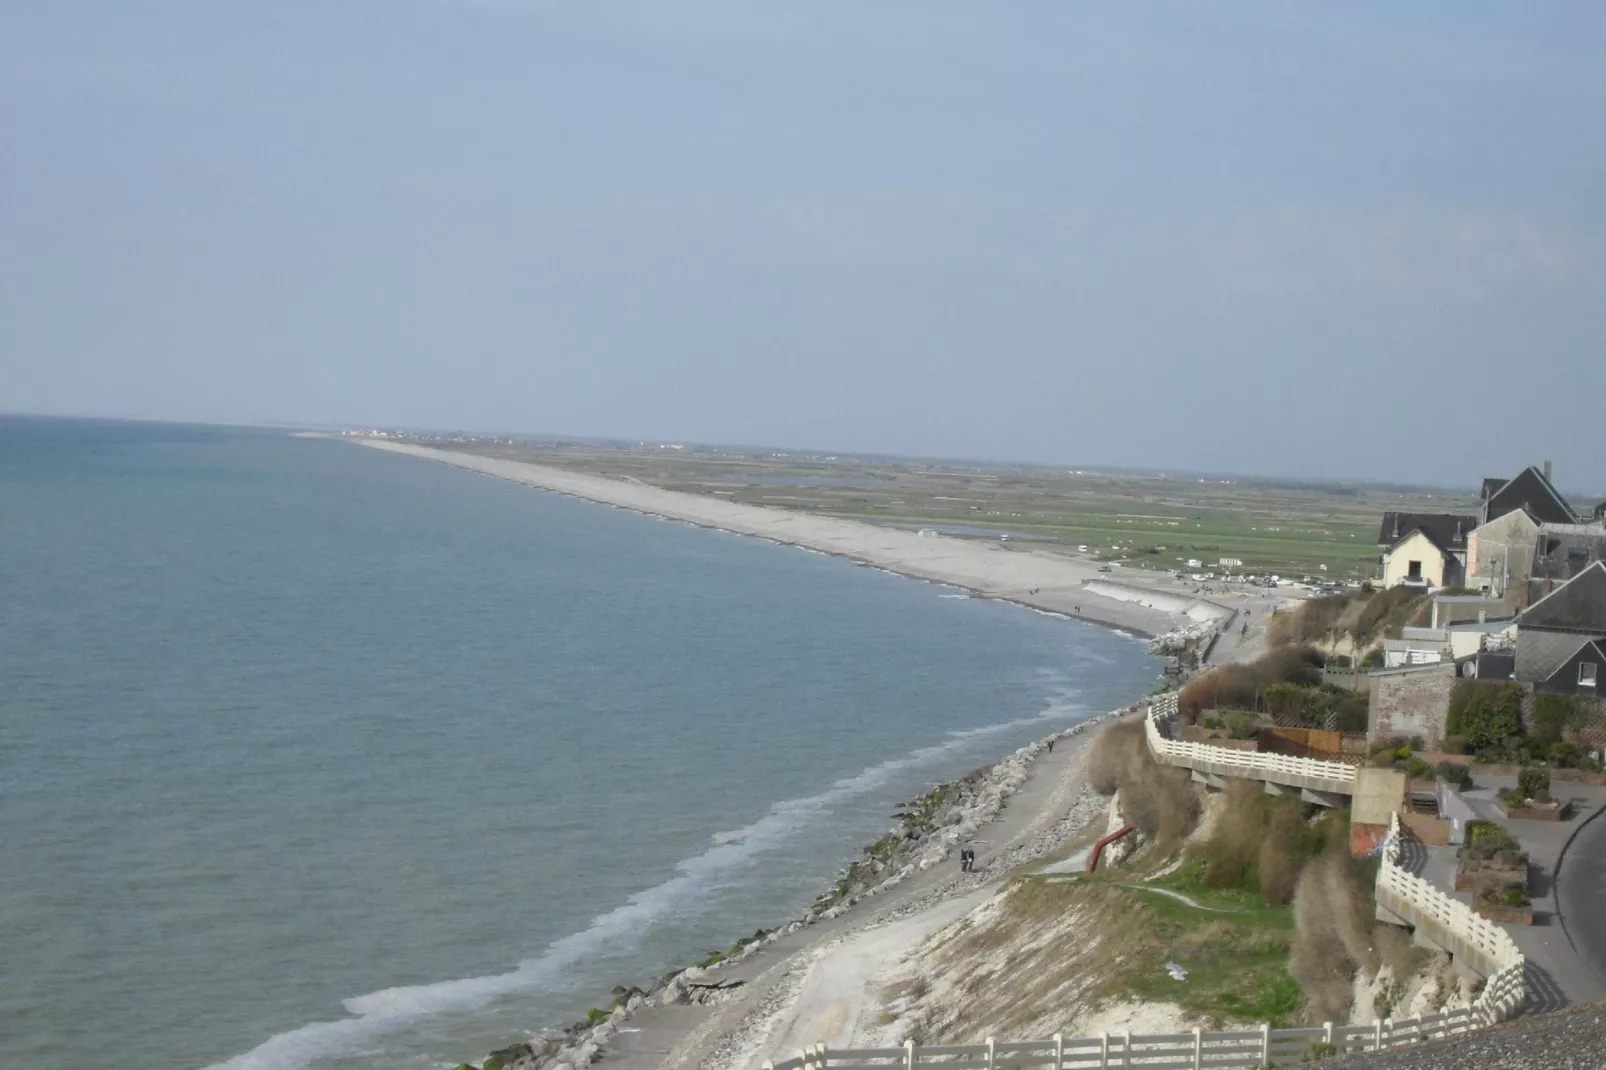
[{"x": 1586, "y": 673}]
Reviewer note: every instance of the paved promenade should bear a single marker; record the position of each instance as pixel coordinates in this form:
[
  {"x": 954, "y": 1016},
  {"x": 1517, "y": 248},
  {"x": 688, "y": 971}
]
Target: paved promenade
[{"x": 1566, "y": 945}]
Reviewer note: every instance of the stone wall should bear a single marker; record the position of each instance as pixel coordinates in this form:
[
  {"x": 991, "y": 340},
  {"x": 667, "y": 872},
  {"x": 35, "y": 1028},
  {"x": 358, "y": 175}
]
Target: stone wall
[{"x": 1411, "y": 701}]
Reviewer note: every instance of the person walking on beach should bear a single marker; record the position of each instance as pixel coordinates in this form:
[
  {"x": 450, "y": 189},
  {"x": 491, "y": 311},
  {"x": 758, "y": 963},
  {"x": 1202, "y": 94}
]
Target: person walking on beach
[{"x": 1051, "y": 746}]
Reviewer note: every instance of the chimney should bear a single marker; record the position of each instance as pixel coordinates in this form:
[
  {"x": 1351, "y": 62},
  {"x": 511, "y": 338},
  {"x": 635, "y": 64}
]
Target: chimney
[{"x": 1547, "y": 471}]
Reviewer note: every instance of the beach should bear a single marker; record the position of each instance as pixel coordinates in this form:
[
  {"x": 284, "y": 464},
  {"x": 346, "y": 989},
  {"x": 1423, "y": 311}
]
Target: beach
[
  {"x": 1044, "y": 581},
  {"x": 817, "y": 980}
]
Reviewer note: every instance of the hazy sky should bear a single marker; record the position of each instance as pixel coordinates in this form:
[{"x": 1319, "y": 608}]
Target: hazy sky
[{"x": 1329, "y": 240}]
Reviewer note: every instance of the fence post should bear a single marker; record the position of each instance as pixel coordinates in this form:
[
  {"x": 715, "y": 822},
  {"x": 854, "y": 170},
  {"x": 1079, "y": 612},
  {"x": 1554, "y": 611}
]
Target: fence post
[
  {"x": 1198, "y": 1048},
  {"x": 1377, "y": 1035},
  {"x": 1388, "y": 1028},
  {"x": 1059, "y": 1051},
  {"x": 1104, "y": 1051},
  {"x": 992, "y": 1054},
  {"x": 1265, "y": 1043},
  {"x": 909, "y": 1054},
  {"x": 1126, "y": 1050},
  {"x": 1327, "y": 1038}
]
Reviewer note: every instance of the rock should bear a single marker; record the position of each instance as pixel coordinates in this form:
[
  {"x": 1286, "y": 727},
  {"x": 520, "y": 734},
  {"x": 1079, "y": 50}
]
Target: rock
[{"x": 507, "y": 1056}]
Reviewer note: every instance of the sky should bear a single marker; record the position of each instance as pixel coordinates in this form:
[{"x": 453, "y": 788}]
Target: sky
[{"x": 1333, "y": 241}]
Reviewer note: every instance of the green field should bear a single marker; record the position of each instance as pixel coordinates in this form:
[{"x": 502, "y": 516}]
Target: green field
[{"x": 1143, "y": 520}]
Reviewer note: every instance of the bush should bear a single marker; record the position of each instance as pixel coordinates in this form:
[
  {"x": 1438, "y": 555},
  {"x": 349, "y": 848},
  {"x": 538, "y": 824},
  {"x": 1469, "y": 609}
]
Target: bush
[
  {"x": 1565, "y": 755},
  {"x": 1417, "y": 768},
  {"x": 1262, "y": 842},
  {"x": 1534, "y": 784},
  {"x": 1551, "y": 716},
  {"x": 1455, "y": 774},
  {"x": 1486, "y": 840},
  {"x": 1383, "y": 759},
  {"x": 1484, "y": 713},
  {"x": 1455, "y": 744}
]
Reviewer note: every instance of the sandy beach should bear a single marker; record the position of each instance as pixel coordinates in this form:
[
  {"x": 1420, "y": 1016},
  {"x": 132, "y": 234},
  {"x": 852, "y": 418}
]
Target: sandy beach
[{"x": 1041, "y": 580}]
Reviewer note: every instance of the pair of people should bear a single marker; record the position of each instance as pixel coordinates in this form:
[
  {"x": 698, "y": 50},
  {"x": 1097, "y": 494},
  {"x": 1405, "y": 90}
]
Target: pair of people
[{"x": 967, "y": 860}]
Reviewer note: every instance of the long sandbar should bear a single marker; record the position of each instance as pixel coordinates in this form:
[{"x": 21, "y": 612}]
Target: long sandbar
[{"x": 1034, "y": 578}]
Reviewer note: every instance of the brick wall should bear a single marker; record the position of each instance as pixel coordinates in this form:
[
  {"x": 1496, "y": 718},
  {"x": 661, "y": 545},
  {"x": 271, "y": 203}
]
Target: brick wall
[{"x": 1411, "y": 703}]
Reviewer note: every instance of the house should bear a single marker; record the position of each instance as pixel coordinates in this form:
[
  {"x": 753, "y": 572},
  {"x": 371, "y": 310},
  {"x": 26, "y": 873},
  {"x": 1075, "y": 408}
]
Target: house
[
  {"x": 1562, "y": 551},
  {"x": 1531, "y": 491},
  {"x": 1582, "y": 674},
  {"x": 1425, "y": 549},
  {"x": 1500, "y": 556},
  {"x": 1561, "y": 632}
]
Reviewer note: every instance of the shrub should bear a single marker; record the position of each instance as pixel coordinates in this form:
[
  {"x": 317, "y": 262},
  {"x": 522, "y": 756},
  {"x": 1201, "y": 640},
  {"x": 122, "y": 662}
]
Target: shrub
[
  {"x": 1263, "y": 843},
  {"x": 1383, "y": 759},
  {"x": 1484, "y": 712},
  {"x": 1486, "y": 840},
  {"x": 1455, "y": 744},
  {"x": 1551, "y": 716},
  {"x": 1455, "y": 774},
  {"x": 1417, "y": 768},
  {"x": 1565, "y": 754},
  {"x": 1534, "y": 783}
]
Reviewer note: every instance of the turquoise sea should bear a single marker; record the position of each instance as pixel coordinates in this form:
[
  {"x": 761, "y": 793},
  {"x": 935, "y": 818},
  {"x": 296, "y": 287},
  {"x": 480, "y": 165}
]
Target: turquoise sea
[{"x": 314, "y": 756}]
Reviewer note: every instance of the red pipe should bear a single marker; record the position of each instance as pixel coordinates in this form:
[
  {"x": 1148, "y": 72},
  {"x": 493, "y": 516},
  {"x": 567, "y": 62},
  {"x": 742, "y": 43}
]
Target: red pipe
[{"x": 1098, "y": 848}]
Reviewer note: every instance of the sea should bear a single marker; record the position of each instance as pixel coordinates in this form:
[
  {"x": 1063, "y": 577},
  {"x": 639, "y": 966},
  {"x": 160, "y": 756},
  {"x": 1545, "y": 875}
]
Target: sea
[{"x": 314, "y": 757}]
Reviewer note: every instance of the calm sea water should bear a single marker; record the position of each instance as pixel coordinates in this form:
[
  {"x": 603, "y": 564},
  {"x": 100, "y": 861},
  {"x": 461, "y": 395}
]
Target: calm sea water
[{"x": 312, "y": 756}]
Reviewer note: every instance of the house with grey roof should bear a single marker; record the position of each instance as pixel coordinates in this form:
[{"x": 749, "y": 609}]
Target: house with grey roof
[
  {"x": 1532, "y": 492},
  {"x": 1560, "y": 634},
  {"x": 1427, "y": 550}
]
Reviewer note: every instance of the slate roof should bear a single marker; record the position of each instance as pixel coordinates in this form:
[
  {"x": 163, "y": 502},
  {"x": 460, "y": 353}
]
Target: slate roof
[
  {"x": 1579, "y": 605},
  {"x": 1490, "y": 485},
  {"x": 1447, "y": 531},
  {"x": 1565, "y": 678},
  {"x": 1531, "y": 492},
  {"x": 1563, "y": 551}
]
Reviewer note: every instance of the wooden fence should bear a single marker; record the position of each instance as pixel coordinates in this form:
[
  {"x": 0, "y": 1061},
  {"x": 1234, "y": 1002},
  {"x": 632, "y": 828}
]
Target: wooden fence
[
  {"x": 1258, "y": 765},
  {"x": 1198, "y": 1050}
]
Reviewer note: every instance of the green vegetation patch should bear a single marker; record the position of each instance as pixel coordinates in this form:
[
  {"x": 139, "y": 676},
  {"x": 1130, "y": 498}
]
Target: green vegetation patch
[{"x": 1237, "y": 962}]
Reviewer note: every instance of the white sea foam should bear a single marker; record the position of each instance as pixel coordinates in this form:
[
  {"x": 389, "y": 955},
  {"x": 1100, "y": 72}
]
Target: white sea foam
[{"x": 392, "y": 1009}]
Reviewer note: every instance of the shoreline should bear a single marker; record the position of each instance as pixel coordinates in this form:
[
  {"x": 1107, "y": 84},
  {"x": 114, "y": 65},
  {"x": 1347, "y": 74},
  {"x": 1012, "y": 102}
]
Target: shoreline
[
  {"x": 724, "y": 1014},
  {"x": 1032, "y": 579}
]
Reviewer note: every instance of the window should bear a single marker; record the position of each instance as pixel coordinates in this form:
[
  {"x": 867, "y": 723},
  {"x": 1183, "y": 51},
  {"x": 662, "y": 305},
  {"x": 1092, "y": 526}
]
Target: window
[
  {"x": 1586, "y": 673},
  {"x": 1415, "y": 571}
]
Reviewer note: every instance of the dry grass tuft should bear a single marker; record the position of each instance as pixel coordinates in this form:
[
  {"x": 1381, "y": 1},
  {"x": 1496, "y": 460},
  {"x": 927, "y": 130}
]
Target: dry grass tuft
[
  {"x": 1158, "y": 799},
  {"x": 1334, "y": 933}
]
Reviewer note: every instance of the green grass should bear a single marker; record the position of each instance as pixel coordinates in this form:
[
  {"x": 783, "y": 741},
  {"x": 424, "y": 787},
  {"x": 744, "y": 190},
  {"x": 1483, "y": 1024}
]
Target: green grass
[
  {"x": 1272, "y": 526},
  {"x": 1237, "y": 962}
]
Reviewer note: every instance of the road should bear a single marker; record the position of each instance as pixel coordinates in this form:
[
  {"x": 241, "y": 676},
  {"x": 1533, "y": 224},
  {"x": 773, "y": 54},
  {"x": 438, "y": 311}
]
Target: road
[{"x": 1581, "y": 893}]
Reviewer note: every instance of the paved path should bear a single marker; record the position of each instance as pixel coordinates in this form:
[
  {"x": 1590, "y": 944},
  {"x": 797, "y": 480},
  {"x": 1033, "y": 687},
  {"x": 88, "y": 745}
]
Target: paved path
[{"x": 1566, "y": 945}]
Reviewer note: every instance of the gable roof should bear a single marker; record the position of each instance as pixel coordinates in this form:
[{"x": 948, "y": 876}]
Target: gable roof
[
  {"x": 1490, "y": 485},
  {"x": 1531, "y": 492},
  {"x": 1566, "y": 674},
  {"x": 1447, "y": 531},
  {"x": 1579, "y": 605}
]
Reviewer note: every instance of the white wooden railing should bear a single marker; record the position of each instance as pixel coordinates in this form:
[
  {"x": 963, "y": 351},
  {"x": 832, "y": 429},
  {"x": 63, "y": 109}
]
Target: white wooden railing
[
  {"x": 1495, "y": 954},
  {"x": 1200, "y": 1049},
  {"x": 1255, "y": 764}
]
